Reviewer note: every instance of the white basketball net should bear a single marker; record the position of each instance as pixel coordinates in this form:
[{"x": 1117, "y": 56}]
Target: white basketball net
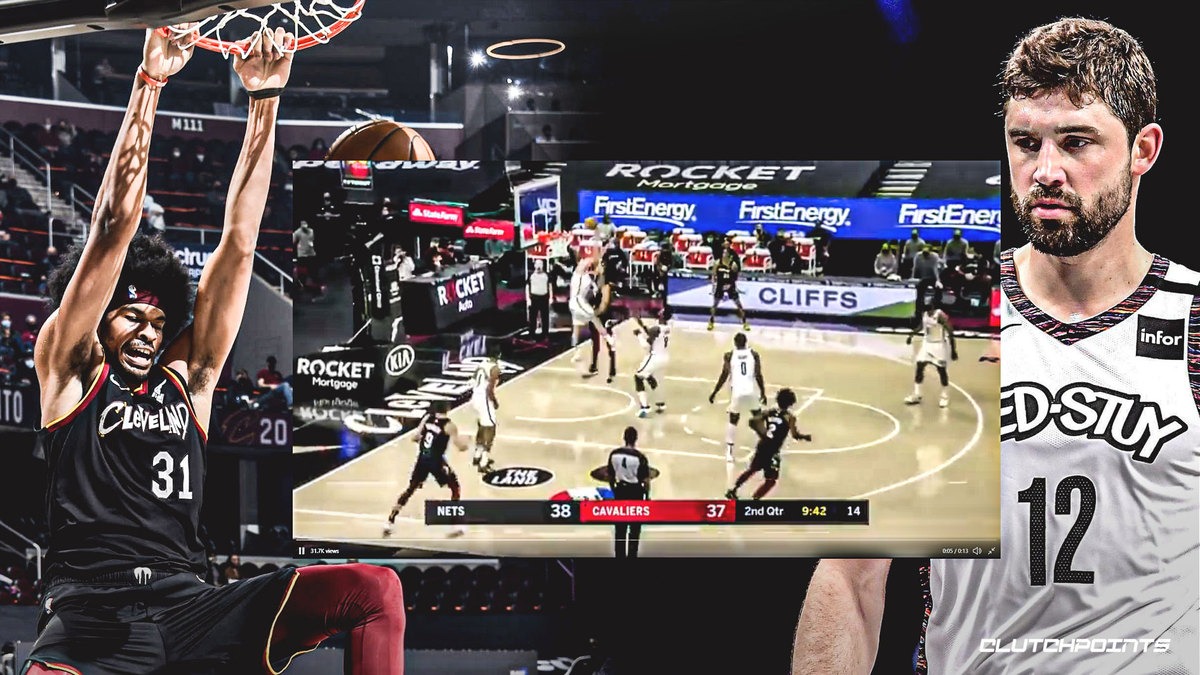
[{"x": 312, "y": 22}]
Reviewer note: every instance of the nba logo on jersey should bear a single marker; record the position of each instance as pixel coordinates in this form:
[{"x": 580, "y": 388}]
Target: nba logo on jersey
[{"x": 1160, "y": 338}]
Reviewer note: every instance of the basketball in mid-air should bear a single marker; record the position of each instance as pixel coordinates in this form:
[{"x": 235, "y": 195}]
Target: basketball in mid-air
[{"x": 380, "y": 140}]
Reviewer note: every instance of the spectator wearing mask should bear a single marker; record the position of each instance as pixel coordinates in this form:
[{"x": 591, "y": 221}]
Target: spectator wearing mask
[
  {"x": 927, "y": 270},
  {"x": 405, "y": 266},
  {"x": 955, "y": 251},
  {"x": 912, "y": 248},
  {"x": 269, "y": 377},
  {"x": 887, "y": 265},
  {"x": 32, "y": 326}
]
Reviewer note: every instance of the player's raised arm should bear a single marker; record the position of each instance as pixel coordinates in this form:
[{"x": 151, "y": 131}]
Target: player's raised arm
[
  {"x": 67, "y": 348},
  {"x": 721, "y": 380},
  {"x": 838, "y": 631},
  {"x": 224, "y": 284}
]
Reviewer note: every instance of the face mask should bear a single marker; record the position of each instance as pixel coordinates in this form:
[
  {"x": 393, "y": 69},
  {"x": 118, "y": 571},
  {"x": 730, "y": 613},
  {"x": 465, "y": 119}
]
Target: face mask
[
  {"x": 6, "y": 323},
  {"x": 175, "y": 153}
]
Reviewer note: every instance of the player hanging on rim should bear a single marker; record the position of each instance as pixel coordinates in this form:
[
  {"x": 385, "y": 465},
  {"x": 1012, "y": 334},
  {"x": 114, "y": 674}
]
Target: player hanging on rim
[
  {"x": 433, "y": 436},
  {"x": 724, "y": 279},
  {"x": 126, "y": 386},
  {"x": 483, "y": 400},
  {"x": 773, "y": 428},
  {"x": 937, "y": 338},
  {"x": 654, "y": 340},
  {"x": 747, "y": 393}
]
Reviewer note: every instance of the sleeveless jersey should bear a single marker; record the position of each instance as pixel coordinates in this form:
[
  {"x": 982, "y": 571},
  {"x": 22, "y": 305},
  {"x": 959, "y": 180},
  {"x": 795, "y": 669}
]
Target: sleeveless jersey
[
  {"x": 583, "y": 291},
  {"x": 1100, "y": 525},
  {"x": 434, "y": 438},
  {"x": 777, "y": 432},
  {"x": 935, "y": 339},
  {"x": 741, "y": 373},
  {"x": 126, "y": 479},
  {"x": 480, "y": 380},
  {"x": 726, "y": 272},
  {"x": 655, "y": 340}
]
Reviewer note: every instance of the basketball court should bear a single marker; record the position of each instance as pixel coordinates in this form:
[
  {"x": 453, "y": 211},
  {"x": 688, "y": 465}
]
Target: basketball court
[{"x": 931, "y": 474}]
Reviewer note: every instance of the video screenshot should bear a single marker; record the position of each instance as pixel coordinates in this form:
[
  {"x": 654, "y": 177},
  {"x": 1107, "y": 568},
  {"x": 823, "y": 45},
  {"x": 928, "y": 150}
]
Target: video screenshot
[{"x": 656, "y": 359}]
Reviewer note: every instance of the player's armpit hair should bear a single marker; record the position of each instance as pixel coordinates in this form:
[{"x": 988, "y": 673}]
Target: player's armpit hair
[{"x": 150, "y": 264}]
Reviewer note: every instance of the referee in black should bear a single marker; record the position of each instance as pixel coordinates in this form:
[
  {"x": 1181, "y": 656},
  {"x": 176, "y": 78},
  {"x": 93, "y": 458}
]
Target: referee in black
[{"x": 629, "y": 478}]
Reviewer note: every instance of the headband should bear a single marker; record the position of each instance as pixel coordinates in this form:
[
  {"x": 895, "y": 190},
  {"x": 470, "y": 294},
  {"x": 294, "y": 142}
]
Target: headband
[{"x": 133, "y": 295}]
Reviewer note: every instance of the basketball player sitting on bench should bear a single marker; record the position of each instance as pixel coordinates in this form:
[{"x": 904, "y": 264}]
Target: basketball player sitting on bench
[{"x": 126, "y": 398}]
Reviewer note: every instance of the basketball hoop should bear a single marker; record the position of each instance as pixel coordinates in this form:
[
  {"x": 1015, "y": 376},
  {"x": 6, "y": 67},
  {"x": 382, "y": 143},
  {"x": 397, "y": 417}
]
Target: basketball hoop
[
  {"x": 312, "y": 22},
  {"x": 550, "y": 245}
]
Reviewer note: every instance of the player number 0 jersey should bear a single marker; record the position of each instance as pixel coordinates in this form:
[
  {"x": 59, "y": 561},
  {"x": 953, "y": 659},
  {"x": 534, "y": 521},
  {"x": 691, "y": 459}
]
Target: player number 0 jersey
[{"x": 1100, "y": 525}]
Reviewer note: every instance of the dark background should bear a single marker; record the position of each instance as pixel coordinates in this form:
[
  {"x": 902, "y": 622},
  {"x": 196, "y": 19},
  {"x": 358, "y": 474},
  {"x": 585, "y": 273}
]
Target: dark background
[
  {"x": 817, "y": 91},
  {"x": 759, "y": 83}
]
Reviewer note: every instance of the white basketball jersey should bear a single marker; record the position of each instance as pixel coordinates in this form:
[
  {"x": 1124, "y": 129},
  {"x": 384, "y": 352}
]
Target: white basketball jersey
[
  {"x": 1100, "y": 496},
  {"x": 741, "y": 373},
  {"x": 657, "y": 346},
  {"x": 480, "y": 380},
  {"x": 935, "y": 338},
  {"x": 583, "y": 287}
]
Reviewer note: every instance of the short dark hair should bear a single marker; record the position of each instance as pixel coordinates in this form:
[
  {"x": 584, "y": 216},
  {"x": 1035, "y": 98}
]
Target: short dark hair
[
  {"x": 150, "y": 264},
  {"x": 631, "y": 436},
  {"x": 1086, "y": 60},
  {"x": 786, "y": 398},
  {"x": 739, "y": 340},
  {"x": 438, "y": 407}
]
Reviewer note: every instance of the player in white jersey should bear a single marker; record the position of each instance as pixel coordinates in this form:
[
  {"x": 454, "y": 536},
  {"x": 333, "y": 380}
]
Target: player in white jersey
[
  {"x": 1099, "y": 427},
  {"x": 583, "y": 294},
  {"x": 483, "y": 400},
  {"x": 937, "y": 343},
  {"x": 747, "y": 393},
  {"x": 654, "y": 341}
]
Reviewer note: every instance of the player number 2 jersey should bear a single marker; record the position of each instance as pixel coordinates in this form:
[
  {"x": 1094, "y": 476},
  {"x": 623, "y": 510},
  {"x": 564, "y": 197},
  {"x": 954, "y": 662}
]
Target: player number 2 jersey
[
  {"x": 1100, "y": 525},
  {"x": 126, "y": 479}
]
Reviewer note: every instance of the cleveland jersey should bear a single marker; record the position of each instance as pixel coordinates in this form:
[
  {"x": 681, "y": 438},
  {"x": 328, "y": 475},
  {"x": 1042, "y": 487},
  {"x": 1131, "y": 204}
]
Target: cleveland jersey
[
  {"x": 1099, "y": 458},
  {"x": 126, "y": 478},
  {"x": 777, "y": 429},
  {"x": 434, "y": 437}
]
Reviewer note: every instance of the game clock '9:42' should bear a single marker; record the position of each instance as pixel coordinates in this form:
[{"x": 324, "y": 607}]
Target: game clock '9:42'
[{"x": 651, "y": 511}]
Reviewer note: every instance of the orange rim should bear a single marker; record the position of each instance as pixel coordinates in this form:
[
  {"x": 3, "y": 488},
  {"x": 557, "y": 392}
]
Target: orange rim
[{"x": 311, "y": 40}]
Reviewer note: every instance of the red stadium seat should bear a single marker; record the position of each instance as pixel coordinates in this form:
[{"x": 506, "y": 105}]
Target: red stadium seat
[{"x": 699, "y": 257}]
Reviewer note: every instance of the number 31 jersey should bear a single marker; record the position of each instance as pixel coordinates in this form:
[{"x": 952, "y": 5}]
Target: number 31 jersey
[
  {"x": 126, "y": 478},
  {"x": 1100, "y": 496}
]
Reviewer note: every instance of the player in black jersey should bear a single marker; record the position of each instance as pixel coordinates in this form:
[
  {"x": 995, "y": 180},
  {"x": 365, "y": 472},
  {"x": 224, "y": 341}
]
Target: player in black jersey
[
  {"x": 126, "y": 386},
  {"x": 612, "y": 271},
  {"x": 773, "y": 428},
  {"x": 433, "y": 434},
  {"x": 724, "y": 278}
]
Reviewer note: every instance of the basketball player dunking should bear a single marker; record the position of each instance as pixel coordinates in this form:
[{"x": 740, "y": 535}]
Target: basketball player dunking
[
  {"x": 937, "y": 340},
  {"x": 747, "y": 393},
  {"x": 433, "y": 436},
  {"x": 126, "y": 399},
  {"x": 483, "y": 400},
  {"x": 724, "y": 279},
  {"x": 654, "y": 340},
  {"x": 1099, "y": 427},
  {"x": 584, "y": 296},
  {"x": 773, "y": 428}
]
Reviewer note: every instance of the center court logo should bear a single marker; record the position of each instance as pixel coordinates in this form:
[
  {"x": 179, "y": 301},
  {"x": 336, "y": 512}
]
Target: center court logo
[
  {"x": 518, "y": 477},
  {"x": 1075, "y": 645}
]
